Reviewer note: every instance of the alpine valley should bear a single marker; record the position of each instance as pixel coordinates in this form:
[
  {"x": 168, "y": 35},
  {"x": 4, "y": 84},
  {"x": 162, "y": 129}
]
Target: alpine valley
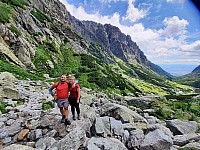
[{"x": 128, "y": 102}]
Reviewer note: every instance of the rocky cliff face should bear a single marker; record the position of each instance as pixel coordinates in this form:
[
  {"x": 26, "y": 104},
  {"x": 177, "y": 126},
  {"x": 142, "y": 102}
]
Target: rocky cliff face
[
  {"x": 38, "y": 23},
  {"x": 48, "y": 22}
]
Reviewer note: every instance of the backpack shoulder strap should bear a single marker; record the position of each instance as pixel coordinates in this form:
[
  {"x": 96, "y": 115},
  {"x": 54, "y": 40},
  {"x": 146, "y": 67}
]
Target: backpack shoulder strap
[{"x": 57, "y": 85}]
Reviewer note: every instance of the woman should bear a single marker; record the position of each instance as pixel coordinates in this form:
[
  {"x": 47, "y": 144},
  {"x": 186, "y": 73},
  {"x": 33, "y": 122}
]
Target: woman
[{"x": 74, "y": 97}]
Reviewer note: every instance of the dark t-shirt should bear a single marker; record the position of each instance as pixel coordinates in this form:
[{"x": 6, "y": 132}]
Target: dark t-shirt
[{"x": 73, "y": 91}]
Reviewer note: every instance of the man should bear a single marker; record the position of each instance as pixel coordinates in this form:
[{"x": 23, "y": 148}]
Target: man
[
  {"x": 61, "y": 97},
  {"x": 74, "y": 97}
]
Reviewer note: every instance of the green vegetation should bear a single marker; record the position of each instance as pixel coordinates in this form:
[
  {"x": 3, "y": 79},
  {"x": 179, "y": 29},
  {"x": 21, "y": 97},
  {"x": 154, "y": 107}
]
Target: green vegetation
[
  {"x": 5, "y": 13},
  {"x": 192, "y": 79},
  {"x": 15, "y": 30},
  {"x": 40, "y": 16},
  {"x": 3, "y": 107},
  {"x": 177, "y": 107},
  {"x": 48, "y": 105},
  {"x": 18, "y": 3},
  {"x": 17, "y": 71},
  {"x": 20, "y": 102}
]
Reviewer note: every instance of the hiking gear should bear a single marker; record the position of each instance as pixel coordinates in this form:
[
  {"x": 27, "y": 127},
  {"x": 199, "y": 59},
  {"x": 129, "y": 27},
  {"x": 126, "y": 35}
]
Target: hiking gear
[
  {"x": 78, "y": 117},
  {"x": 63, "y": 119},
  {"x": 67, "y": 122}
]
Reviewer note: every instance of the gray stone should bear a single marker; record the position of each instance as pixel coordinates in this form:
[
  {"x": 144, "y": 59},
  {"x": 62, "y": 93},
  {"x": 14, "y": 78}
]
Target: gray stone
[
  {"x": 166, "y": 130},
  {"x": 14, "y": 128},
  {"x": 179, "y": 127},
  {"x": 195, "y": 145},
  {"x": 6, "y": 140},
  {"x": 3, "y": 133},
  {"x": 129, "y": 126},
  {"x": 123, "y": 113},
  {"x": 11, "y": 93},
  {"x": 105, "y": 143},
  {"x": 73, "y": 140},
  {"x": 8, "y": 77},
  {"x": 38, "y": 133},
  {"x": 156, "y": 140},
  {"x": 51, "y": 133},
  {"x": 182, "y": 140},
  {"x": 116, "y": 128},
  {"x": 45, "y": 143},
  {"x": 135, "y": 139},
  {"x": 18, "y": 147}
]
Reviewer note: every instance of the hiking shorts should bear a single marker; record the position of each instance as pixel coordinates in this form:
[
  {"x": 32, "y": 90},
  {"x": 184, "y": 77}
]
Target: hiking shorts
[{"x": 62, "y": 103}]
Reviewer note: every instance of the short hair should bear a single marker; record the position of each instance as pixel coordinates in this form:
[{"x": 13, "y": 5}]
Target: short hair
[
  {"x": 72, "y": 77},
  {"x": 63, "y": 75}
]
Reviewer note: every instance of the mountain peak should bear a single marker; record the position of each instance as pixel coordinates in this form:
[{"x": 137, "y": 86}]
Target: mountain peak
[{"x": 196, "y": 70}]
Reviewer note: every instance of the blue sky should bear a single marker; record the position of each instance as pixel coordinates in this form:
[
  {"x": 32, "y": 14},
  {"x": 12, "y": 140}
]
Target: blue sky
[{"x": 167, "y": 31}]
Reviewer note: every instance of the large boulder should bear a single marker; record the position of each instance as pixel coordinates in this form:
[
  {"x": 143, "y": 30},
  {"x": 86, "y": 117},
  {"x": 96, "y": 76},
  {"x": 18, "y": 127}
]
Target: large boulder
[
  {"x": 135, "y": 139},
  {"x": 18, "y": 147},
  {"x": 108, "y": 126},
  {"x": 7, "y": 76},
  {"x": 124, "y": 114},
  {"x": 182, "y": 140},
  {"x": 72, "y": 140},
  {"x": 179, "y": 127},
  {"x": 105, "y": 143},
  {"x": 11, "y": 93},
  {"x": 156, "y": 140},
  {"x": 45, "y": 143}
]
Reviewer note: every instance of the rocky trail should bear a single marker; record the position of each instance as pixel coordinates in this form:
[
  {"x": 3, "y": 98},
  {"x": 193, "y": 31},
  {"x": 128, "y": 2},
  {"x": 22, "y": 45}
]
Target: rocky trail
[{"x": 106, "y": 124}]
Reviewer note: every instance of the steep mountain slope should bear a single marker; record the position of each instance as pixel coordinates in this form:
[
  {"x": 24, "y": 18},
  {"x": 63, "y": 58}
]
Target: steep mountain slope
[
  {"x": 113, "y": 41},
  {"x": 192, "y": 79},
  {"x": 41, "y": 37},
  {"x": 196, "y": 70}
]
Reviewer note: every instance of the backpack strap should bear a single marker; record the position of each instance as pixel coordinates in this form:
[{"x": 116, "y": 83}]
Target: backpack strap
[{"x": 57, "y": 85}]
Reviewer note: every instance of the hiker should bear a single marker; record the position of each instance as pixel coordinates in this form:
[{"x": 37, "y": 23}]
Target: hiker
[
  {"x": 74, "y": 97},
  {"x": 61, "y": 97}
]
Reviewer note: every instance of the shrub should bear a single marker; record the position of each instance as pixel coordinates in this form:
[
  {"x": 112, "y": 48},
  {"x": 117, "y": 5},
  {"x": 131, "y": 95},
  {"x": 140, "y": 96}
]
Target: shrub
[
  {"x": 14, "y": 30},
  {"x": 18, "y": 3},
  {"x": 48, "y": 105},
  {"x": 17, "y": 71},
  {"x": 3, "y": 107},
  {"x": 5, "y": 13}
]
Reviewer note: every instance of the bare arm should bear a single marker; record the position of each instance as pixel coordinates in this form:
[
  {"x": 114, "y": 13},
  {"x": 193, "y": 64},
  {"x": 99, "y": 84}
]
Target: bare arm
[{"x": 79, "y": 94}]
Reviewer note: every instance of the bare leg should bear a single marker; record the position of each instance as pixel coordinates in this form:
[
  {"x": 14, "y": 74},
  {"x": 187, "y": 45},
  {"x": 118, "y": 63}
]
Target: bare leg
[
  {"x": 66, "y": 113},
  {"x": 62, "y": 111}
]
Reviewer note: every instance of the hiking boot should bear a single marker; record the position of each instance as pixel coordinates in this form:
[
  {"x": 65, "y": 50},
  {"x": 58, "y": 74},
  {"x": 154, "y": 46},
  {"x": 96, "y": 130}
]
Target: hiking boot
[
  {"x": 78, "y": 117},
  {"x": 67, "y": 122},
  {"x": 74, "y": 117},
  {"x": 63, "y": 119}
]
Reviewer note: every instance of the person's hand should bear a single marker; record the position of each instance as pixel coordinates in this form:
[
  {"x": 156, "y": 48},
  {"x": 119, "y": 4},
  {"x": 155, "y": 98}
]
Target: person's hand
[
  {"x": 55, "y": 97},
  {"x": 77, "y": 101}
]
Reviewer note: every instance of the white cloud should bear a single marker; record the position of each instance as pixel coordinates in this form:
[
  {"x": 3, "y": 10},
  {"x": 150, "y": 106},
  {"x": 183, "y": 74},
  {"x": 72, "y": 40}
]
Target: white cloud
[
  {"x": 134, "y": 14},
  {"x": 192, "y": 49},
  {"x": 174, "y": 26},
  {"x": 158, "y": 45},
  {"x": 109, "y": 1},
  {"x": 182, "y": 61},
  {"x": 177, "y": 1}
]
